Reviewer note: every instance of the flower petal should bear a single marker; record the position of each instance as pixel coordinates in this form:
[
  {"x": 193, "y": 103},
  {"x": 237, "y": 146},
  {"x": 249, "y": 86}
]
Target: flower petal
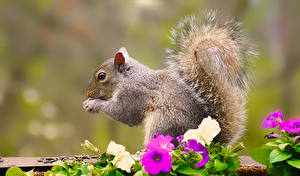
[
  {"x": 206, "y": 131},
  {"x": 272, "y": 135},
  {"x": 290, "y": 126},
  {"x": 114, "y": 148},
  {"x": 154, "y": 165},
  {"x": 125, "y": 162},
  {"x": 191, "y": 134},
  {"x": 192, "y": 144},
  {"x": 122, "y": 159},
  {"x": 161, "y": 141},
  {"x": 205, "y": 158},
  {"x": 209, "y": 128},
  {"x": 273, "y": 119}
]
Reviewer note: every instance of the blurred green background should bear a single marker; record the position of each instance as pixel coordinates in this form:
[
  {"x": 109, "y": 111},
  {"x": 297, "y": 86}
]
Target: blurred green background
[{"x": 50, "y": 48}]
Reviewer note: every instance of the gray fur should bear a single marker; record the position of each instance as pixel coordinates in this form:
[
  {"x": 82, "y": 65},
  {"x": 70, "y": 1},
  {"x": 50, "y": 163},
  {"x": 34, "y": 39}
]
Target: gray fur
[
  {"x": 173, "y": 113},
  {"x": 206, "y": 77}
]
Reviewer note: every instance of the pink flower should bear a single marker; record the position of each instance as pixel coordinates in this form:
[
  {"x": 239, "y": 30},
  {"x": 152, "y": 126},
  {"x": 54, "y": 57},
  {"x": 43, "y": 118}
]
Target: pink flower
[
  {"x": 205, "y": 158},
  {"x": 161, "y": 141},
  {"x": 157, "y": 160},
  {"x": 290, "y": 126},
  {"x": 273, "y": 119},
  {"x": 192, "y": 144}
]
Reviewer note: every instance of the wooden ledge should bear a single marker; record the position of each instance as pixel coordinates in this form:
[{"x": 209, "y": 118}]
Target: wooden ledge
[{"x": 248, "y": 166}]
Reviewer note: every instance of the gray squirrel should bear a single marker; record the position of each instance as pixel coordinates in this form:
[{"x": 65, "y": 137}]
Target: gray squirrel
[{"x": 207, "y": 75}]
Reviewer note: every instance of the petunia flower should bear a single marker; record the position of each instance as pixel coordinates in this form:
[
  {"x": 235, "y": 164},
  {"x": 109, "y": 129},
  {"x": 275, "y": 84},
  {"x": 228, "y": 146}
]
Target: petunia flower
[
  {"x": 272, "y": 136},
  {"x": 273, "y": 119},
  {"x": 206, "y": 131},
  {"x": 157, "y": 160},
  {"x": 192, "y": 144},
  {"x": 179, "y": 138},
  {"x": 205, "y": 158},
  {"x": 290, "y": 126},
  {"x": 122, "y": 159},
  {"x": 161, "y": 141}
]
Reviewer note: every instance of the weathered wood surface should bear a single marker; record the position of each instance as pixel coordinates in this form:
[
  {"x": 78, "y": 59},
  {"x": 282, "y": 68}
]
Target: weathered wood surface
[
  {"x": 249, "y": 167},
  {"x": 41, "y": 161},
  {"x": 40, "y": 164}
]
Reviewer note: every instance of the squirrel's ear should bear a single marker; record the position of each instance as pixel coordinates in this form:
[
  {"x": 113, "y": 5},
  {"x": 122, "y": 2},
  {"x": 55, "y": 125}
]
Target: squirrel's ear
[
  {"x": 120, "y": 57},
  {"x": 124, "y": 52}
]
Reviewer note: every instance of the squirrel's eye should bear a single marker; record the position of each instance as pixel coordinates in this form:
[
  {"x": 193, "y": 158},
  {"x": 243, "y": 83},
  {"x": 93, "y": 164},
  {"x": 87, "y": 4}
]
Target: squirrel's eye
[{"x": 101, "y": 76}]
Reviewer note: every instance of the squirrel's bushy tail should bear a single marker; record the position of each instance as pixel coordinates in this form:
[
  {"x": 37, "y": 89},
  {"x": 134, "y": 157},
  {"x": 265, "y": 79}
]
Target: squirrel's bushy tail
[{"x": 213, "y": 57}]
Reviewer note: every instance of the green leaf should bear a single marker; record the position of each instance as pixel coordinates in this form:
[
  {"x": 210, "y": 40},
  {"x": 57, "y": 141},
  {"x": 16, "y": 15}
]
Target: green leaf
[
  {"x": 204, "y": 173},
  {"x": 275, "y": 171},
  {"x": 144, "y": 172},
  {"x": 61, "y": 174},
  {"x": 118, "y": 173},
  {"x": 209, "y": 164},
  {"x": 294, "y": 162},
  {"x": 219, "y": 166},
  {"x": 282, "y": 146},
  {"x": 59, "y": 163},
  {"x": 137, "y": 166},
  {"x": 297, "y": 148},
  {"x": 189, "y": 171},
  {"x": 139, "y": 173},
  {"x": 57, "y": 169},
  {"x": 49, "y": 173},
  {"x": 272, "y": 144},
  {"x": 277, "y": 155},
  {"x": 109, "y": 170},
  {"x": 29, "y": 173},
  {"x": 85, "y": 171},
  {"x": 287, "y": 172},
  {"x": 261, "y": 155},
  {"x": 233, "y": 166},
  {"x": 14, "y": 171},
  {"x": 174, "y": 167}
]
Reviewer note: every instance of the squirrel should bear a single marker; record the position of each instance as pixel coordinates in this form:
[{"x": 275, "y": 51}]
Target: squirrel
[{"x": 207, "y": 75}]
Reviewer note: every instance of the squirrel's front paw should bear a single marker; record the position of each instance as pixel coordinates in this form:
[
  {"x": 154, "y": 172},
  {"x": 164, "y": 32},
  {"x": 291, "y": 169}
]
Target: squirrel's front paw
[{"x": 92, "y": 105}]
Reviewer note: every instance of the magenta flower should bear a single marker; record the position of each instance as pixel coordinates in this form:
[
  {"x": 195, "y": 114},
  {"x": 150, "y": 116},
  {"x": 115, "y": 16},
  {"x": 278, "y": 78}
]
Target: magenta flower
[
  {"x": 290, "y": 126},
  {"x": 157, "y": 160},
  {"x": 273, "y": 119},
  {"x": 179, "y": 138},
  {"x": 272, "y": 136},
  {"x": 205, "y": 158},
  {"x": 192, "y": 144},
  {"x": 161, "y": 141}
]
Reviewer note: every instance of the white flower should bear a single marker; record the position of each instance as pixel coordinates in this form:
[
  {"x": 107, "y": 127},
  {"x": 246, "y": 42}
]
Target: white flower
[
  {"x": 206, "y": 131},
  {"x": 90, "y": 168},
  {"x": 123, "y": 159}
]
